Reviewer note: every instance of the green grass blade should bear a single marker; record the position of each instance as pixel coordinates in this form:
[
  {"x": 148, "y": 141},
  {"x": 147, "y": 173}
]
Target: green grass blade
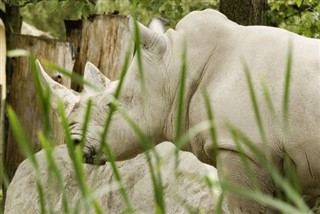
[
  {"x": 137, "y": 37},
  {"x": 287, "y": 88},
  {"x": 65, "y": 126},
  {"x": 245, "y": 160},
  {"x": 265, "y": 162},
  {"x": 104, "y": 144},
  {"x": 210, "y": 116},
  {"x": 155, "y": 172},
  {"x": 267, "y": 96},
  {"x": 43, "y": 96},
  {"x": 123, "y": 73},
  {"x": 23, "y": 141},
  {"x": 41, "y": 195},
  {"x": 72, "y": 75},
  {"x": 116, "y": 173},
  {"x": 192, "y": 132},
  {"x": 219, "y": 205},
  {"x": 85, "y": 123},
  {"x": 189, "y": 207},
  {"x": 180, "y": 123},
  {"x": 255, "y": 106},
  {"x": 3, "y": 175},
  {"x": 78, "y": 166},
  {"x": 76, "y": 156},
  {"x": 283, "y": 207},
  {"x": 291, "y": 174},
  {"x": 212, "y": 185},
  {"x": 53, "y": 169},
  {"x": 21, "y": 136},
  {"x": 116, "y": 96},
  {"x": 181, "y": 110}
]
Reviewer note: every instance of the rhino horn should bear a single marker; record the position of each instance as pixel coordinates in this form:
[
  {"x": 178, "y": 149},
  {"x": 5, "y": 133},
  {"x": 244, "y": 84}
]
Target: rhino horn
[
  {"x": 147, "y": 36},
  {"x": 94, "y": 76},
  {"x": 59, "y": 92}
]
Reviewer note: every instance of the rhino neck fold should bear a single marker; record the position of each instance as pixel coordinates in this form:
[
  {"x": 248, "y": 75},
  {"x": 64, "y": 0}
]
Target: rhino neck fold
[
  {"x": 147, "y": 110},
  {"x": 195, "y": 74}
]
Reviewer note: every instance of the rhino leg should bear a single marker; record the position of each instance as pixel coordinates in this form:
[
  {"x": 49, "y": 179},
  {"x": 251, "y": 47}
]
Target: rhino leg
[{"x": 230, "y": 169}]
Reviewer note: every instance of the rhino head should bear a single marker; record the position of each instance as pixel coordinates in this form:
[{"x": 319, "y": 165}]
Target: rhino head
[
  {"x": 153, "y": 108},
  {"x": 151, "y": 115}
]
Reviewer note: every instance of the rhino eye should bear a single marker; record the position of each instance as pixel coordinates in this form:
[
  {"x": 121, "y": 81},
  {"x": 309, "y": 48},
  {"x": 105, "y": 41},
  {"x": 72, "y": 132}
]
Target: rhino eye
[{"x": 145, "y": 46}]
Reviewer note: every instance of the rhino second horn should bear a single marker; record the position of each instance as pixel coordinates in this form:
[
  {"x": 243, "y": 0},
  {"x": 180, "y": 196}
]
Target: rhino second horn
[
  {"x": 58, "y": 92},
  {"x": 146, "y": 34},
  {"x": 94, "y": 76},
  {"x": 151, "y": 40}
]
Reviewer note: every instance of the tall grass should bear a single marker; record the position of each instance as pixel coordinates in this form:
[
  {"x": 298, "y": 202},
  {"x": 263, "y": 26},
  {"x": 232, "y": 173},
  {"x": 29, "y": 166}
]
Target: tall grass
[{"x": 289, "y": 187}]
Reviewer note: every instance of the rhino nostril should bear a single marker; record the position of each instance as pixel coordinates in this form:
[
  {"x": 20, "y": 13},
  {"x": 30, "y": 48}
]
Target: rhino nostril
[{"x": 76, "y": 141}]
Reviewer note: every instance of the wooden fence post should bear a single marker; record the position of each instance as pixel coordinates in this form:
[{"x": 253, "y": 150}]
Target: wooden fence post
[
  {"x": 23, "y": 98},
  {"x": 102, "y": 40}
]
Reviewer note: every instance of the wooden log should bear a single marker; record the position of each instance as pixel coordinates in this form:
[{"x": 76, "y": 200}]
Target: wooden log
[
  {"x": 23, "y": 97},
  {"x": 3, "y": 57},
  {"x": 102, "y": 40}
]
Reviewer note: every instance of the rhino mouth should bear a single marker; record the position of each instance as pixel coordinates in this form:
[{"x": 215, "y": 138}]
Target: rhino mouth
[{"x": 90, "y": 155}]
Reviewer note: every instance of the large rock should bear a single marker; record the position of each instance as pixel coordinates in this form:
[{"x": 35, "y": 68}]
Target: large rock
[{"x": 187, "y": 189}]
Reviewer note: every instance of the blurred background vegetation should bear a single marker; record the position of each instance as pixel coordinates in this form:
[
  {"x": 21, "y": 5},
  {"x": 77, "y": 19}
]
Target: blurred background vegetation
[{"x": 301, "y": 16}]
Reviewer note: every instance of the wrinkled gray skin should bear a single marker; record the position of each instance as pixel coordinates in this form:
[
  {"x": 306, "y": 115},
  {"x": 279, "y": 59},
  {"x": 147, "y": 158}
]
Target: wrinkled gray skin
[{"x": 216, "y": 50}]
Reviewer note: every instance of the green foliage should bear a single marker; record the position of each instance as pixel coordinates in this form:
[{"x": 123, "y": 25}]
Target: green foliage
[
  {"x": 144, "y": 10},
  {"x": 19, "y": 3},
  {"x": 300, "y": 16},
  {"x": 49, "y": 16}
]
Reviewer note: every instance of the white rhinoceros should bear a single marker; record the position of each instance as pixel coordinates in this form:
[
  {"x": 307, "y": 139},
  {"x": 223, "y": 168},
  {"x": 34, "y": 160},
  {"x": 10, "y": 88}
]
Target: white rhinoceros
[{"x": 217, "y": 50}]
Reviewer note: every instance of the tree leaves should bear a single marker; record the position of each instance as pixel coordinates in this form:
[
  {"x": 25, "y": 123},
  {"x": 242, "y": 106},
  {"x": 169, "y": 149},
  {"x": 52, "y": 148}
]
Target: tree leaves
[{"x": 300, "y": 16}]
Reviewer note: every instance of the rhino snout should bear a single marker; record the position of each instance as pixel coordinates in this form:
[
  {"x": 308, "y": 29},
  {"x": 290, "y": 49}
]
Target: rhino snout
[{"x": 90, "y": 156}]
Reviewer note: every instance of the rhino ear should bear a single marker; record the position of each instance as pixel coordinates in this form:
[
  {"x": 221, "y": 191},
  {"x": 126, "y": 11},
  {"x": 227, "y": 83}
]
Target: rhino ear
[
  {"x": 94, "y": 76},
  {"x": 148, "y": 38},
  {"x": 59, "y": 92},
  {"x": 157, "y": 25}
]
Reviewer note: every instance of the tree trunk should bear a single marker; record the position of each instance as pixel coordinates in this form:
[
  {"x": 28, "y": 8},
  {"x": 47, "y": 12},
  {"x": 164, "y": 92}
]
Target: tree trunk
[
  {"x": 102, "y": 40},
  {"x": 12, "y": 22},
  {"x": 23, "y": 97},
  {"x": 245, "y": 12}
]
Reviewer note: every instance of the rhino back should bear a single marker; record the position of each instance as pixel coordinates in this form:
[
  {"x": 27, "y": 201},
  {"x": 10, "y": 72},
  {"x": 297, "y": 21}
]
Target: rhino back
[{"x": 265, "y": 51}]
